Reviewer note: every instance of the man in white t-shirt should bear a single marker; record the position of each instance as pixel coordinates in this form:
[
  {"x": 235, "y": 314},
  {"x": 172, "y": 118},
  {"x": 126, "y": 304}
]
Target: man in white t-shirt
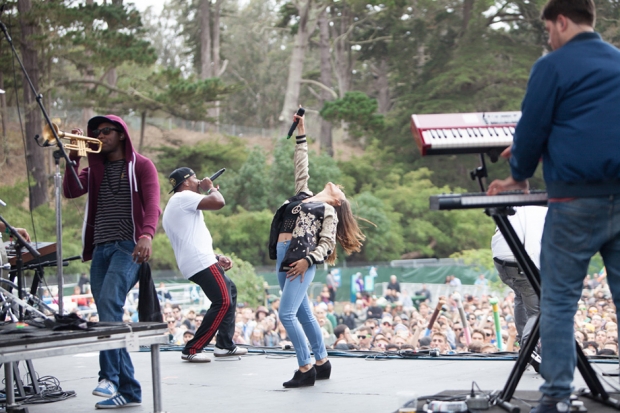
[
  {"x": 191, "y": 241},
  {"x": 528, "y": 223}
]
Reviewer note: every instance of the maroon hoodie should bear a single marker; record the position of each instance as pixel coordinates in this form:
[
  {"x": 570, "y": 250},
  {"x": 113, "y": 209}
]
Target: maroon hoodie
[{"x": 143, "y": 183}]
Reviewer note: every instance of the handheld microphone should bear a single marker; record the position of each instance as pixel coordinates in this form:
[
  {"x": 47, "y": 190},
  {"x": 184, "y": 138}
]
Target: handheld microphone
[
  {"x": 2, "y": 203},
  {"x": 218, "y": 173},
  {"x": 300, "y": 112}
]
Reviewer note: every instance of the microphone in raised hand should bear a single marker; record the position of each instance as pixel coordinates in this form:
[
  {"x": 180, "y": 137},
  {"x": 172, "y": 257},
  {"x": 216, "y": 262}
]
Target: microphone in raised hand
[{"x": 300, "y": 112}]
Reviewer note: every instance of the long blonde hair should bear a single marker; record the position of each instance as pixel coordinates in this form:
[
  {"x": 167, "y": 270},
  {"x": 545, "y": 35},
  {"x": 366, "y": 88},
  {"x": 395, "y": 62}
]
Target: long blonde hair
[{"x": 348, "y": 232}]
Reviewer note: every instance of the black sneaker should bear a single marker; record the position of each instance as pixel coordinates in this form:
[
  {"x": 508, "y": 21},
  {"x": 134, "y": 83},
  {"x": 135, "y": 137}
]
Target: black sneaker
[{"x": 301, "y": 379}]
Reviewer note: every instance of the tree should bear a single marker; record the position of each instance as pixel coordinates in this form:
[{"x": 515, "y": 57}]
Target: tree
[
  {"x": 250, "y": 187},
  {"x": 358, "y": 110},
  {"x": 308, "y": 12},
  {"x": 34, "y": 154}
]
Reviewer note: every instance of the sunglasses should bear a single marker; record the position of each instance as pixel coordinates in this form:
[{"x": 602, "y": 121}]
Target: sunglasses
[
  {"x": 361, "y": 337},
  {"x": 106, "y": 131},
  {"x": 487, "y": 334}
]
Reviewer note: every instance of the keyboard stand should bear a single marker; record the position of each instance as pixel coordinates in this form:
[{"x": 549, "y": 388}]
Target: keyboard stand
[{"x": 596, "y": 391}]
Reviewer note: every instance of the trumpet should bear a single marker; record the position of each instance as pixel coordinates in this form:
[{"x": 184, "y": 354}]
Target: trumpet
[{"x": 79, "y": 143}]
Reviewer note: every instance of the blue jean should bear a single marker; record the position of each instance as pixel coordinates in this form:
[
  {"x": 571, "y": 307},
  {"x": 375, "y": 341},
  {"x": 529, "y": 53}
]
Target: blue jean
[
  {"x": 296, "y": 312},
  {"x": 113, "y": 273},
  {"x": 574, "y": 232}
]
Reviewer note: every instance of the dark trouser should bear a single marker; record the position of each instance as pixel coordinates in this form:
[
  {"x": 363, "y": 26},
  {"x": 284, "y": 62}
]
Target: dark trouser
[
  {"x": 527, "y": 306},
  {"x": 221, "y": 315},
  {"x": 332, "y": 294}
]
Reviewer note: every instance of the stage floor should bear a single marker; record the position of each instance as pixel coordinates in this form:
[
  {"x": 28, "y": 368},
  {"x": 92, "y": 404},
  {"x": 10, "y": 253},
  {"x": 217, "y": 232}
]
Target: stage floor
[{"x": 254, "y": 383}]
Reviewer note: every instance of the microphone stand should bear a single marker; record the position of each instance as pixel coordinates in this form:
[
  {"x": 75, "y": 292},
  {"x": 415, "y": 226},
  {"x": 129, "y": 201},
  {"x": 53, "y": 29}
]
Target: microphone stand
[{"x": 57, "y": 181}]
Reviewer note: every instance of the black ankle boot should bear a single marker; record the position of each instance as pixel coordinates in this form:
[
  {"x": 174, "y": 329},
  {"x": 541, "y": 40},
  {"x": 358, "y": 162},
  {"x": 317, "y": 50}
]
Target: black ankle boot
[
  {"x": 323, "y": 371},
  {"x": 301, "y": 379}
]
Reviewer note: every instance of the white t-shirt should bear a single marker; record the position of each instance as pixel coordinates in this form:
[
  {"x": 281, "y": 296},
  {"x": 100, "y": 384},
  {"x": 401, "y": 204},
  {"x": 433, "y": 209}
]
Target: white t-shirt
[
  {"x": 528, "y": 223},
  {"x": 191, "y": 240}
]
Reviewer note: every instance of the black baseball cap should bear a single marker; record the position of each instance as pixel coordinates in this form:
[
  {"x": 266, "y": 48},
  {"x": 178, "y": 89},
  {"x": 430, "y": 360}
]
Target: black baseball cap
[{"x": 178, "y": 176}]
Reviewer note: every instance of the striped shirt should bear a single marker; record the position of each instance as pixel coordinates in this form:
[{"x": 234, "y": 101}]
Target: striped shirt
[{"x": 113, "y": 221}]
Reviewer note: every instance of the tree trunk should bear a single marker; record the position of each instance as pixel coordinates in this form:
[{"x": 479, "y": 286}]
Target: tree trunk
[
  {"x": 342, "y": 53},
  {"x": 3, "y": 113},
  {"x": 307, "y": 24},
  {"x": 142, "y": 129},
  {"x": 383, "y": 88},
  {"x": 35, "y": 156},
  {"x": 421, "y": 59},
  {"x": 468, "y": 5},
  {"x": 217, "y": 10},
  {"x": 205, "y": 39},
  {"x": 88, "y": 112},
  {"x": 327, "y": 145}
]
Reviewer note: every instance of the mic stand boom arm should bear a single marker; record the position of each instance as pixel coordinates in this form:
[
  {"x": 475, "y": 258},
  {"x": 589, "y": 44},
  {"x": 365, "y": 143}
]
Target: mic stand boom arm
[{"x": 39, "y": 98}]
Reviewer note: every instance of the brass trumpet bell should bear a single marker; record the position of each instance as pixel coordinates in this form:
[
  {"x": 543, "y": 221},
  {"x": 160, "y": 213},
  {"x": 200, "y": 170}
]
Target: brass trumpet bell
[{"x": 79, "y": 143}]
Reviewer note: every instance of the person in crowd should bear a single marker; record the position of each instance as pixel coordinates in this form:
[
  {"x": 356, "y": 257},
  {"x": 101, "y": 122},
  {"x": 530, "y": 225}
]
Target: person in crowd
[
  {"x": 187, "y": 336},
  {"x": 184, "y": 224},
  {"x": 270, "y": 334},
  {"x": 83, "y": 283},
  {"x": 481, "y": 281},
  {"x": 348, "y": 317},
  {"x": 248, "y": 322},
  {"x": 394, "y": 285},
  {"x": 257, "y": 339},
  {"x": 569, "y": 120},
  {"x": 332, "y": 285},
  {"x": 364, "y": 337},
  {"x": 424, "y": 292},
  {"x": 440, "y": 342},
  {"x": 274, "y": 308},
  {"x": 374, "y": 310},
  {"x": 80, "y": 300},
  {"x": 163, "y": 293},
  {"x": 261, "y": 313},
  {"x": 304, "y": 232},
  {"x": 121, "y": 220}
]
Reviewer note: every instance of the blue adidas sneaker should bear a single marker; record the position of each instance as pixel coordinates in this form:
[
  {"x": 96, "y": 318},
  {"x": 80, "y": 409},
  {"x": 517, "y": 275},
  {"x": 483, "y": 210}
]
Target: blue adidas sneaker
[
  {"x": 105, "y": 388},
  {"x": 117, "y": 402}
]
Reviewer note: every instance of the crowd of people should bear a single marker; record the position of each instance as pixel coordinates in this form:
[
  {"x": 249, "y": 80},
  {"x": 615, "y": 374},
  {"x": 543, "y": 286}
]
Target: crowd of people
[{"x": 395, "y": 322}]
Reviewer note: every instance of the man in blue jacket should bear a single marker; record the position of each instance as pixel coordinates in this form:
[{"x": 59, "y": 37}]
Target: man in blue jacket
[{"x": 570, "y": 118}]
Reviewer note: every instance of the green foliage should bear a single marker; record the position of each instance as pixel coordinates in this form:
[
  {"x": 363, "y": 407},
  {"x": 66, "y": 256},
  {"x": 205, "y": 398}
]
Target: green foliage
[
  {"x": 358, "y": 110},
  {"x": 163, "y": 255},
  {"x": 245, "y": 233},
  {"x": 250, "y": 289},
  {"x": 186, "y": 97},
  {"x": 203, "y": 158},
  {"x": 480, "y": 259},
  {"x": 384, "y": 238},
  {"x": 250, "y": 186}
]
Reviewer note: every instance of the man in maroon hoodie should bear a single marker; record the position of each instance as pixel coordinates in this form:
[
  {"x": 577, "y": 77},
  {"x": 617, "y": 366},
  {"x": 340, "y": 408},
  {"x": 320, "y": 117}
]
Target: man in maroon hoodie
[{"x": 121, "y": 217}]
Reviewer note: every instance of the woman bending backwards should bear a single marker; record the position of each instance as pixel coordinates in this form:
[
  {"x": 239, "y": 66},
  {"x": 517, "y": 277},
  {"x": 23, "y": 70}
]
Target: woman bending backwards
[{"x": 304, "y": 233}]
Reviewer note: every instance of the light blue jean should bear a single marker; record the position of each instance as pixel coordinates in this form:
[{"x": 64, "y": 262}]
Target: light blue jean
[
  {"x": 574, "y": 232},
  {"x": 113, "y": 273},
  {"x": 296, "y": 312}
]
